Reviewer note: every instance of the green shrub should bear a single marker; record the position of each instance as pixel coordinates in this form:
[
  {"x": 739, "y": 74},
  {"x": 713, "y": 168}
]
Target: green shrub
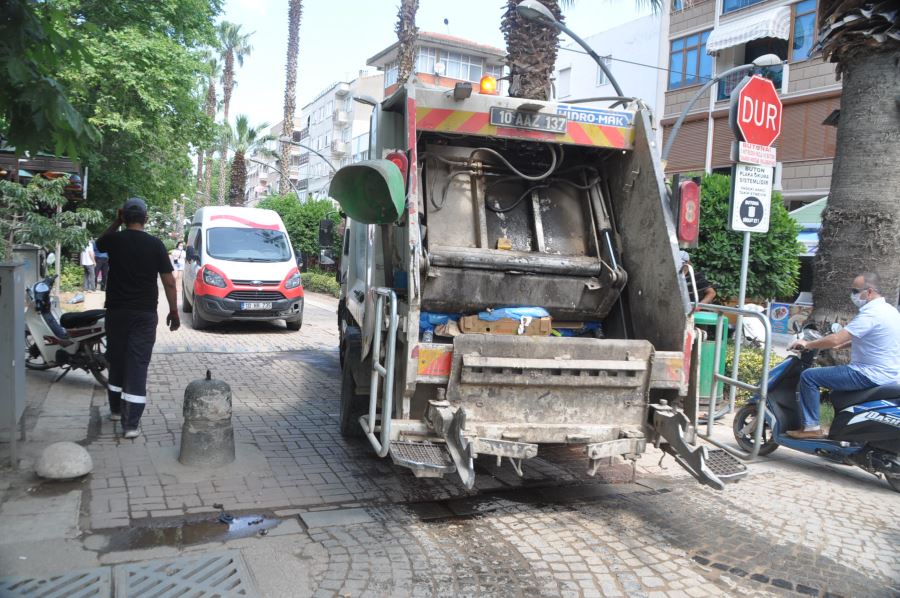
[
  {"x": 72, "y": 278},
  {"x": 321, "y": 282},
  {"x": 749, "y": 369},
  {"x": 169, "y": 243}
]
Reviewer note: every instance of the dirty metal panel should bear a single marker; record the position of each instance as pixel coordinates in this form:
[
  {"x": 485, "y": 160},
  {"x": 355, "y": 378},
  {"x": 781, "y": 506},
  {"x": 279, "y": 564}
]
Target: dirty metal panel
[
  {"x": 668, "y": 370},
  {"x": 220, "y": 575},
  {"x": 549, "y": 404},
  {"x": 433, "y": 359},
  {"x": 86, "y": 582}
]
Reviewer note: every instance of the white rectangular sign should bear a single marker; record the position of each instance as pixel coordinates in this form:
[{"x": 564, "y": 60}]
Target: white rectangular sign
[
  {"x": 751, "y": 153},
  {"x": 751, "y": 198}
]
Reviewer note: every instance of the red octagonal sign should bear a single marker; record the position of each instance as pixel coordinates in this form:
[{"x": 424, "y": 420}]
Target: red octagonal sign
[{"x": 756, "y": 111}]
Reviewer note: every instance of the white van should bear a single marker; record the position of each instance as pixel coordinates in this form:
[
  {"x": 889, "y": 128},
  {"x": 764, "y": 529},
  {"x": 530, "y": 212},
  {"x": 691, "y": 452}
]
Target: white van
[{"x": 240, "y": 266}]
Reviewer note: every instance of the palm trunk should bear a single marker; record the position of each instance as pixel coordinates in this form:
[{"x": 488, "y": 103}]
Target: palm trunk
[
  {"x": 406, "y": 32},
  {"x": 203, "y": 182},
  {"x": 199, "y": 168},
  {"x": 238, "y": 180},
  {"x": 207, "y": 178},
  {"x": 295, "y": 11},
  {"x": 861, "y": 224},
  {"x": 531, "y": 51},
  {"x": 227, "y": 84}
]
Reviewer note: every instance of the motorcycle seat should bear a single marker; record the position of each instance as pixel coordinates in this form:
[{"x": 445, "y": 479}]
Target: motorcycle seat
[
  {"x": 846, "y": 398},
  {"x": 74, "y": 319}
]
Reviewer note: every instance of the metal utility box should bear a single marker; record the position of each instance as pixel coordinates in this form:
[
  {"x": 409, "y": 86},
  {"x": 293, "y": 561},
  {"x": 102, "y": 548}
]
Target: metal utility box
[
  {"x": 12, "y": 348},
  {"x": 32, "y": 258}
]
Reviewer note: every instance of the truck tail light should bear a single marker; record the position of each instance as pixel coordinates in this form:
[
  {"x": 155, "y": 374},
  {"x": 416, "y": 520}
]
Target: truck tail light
[
  {"x": 688, "y": 206},
  {"x": 401, "y": 161}
]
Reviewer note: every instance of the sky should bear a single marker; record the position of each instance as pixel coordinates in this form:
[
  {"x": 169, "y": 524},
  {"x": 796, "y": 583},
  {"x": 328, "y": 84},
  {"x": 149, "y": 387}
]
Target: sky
[{"x": 338, "y": 36}]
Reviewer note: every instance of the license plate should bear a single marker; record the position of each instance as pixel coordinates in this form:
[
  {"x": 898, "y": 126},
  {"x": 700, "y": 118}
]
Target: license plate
[
  {"x": 533, "y": 121},
  {"x": 256, "y": 305}
]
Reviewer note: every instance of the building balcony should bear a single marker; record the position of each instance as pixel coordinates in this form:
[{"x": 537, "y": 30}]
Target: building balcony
[
  {"x": 300, "y": 135},
  {"x": 303, "y": 184},
  {"x": 727, "y": 84},
  {"x": 342, "y": 89},
  {"x": 339, "y": 148},
  {"x": 304, "y": 159},
  {"x": 341, "y": 117}
]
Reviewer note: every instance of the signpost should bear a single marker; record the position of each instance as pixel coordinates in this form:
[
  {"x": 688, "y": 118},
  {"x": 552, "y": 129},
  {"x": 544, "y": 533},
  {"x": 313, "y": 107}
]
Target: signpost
[{"x": 755, "y": 117}]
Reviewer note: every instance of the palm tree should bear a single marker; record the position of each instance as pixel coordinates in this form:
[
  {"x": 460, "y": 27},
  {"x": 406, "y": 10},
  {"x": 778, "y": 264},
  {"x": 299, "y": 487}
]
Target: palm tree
[
  {"x": 531, "y": 50},
  {"x": 861, "y": 223},
  {"x": 406, "y": 32},
  {"x": 210, "y": 79},
  {"x": 295, "y": 10},
  {"x": 235, "y": 46},
  {"x": 244, "y": 139}
]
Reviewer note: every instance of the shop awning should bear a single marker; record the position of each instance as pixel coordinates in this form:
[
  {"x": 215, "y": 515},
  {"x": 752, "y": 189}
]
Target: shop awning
[{"x": 775, "y": 22}]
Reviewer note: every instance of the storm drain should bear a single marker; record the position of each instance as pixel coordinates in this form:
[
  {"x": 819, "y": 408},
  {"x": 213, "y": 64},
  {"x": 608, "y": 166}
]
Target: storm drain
[
  {"x": 223, "y": 575},
  {"x": 83, "y": 584}
]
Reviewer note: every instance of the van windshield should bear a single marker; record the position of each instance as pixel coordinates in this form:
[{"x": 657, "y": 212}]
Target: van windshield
[{"x": 248, "y": 245}]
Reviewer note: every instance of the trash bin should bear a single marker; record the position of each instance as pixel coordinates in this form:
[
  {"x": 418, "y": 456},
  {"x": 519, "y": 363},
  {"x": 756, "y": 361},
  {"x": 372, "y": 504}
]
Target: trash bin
[{"x": 707, "y": 321}]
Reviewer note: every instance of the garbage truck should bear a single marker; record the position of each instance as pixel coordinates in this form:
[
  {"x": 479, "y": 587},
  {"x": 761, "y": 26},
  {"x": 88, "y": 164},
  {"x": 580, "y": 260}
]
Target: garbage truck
[{"x": 509, "y": 280}]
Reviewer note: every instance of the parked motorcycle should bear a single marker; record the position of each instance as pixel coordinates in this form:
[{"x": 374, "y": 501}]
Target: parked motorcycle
[
  {"x": 73, "y": 340},
  {"x": 865, "y": 431}
]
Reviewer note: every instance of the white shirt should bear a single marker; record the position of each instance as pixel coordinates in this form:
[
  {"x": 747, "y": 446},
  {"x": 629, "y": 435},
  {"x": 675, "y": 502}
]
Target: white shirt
[
  {"x": 87, "y": 256},
  {"x": 875, "y": 352}
]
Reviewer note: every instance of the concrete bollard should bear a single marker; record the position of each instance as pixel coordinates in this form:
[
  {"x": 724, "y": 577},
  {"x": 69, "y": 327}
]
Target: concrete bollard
[{"x": 207, "y": 436}]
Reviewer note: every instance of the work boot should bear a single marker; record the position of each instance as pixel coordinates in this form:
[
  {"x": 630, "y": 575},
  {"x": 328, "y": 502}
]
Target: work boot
[
  {"x": 131, "y": 420},
  {"x": 115, "y": 404}
]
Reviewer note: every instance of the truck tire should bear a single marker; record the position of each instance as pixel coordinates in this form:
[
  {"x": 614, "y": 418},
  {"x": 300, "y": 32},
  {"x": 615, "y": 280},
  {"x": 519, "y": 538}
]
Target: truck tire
[{"x": 352, "y": 405}]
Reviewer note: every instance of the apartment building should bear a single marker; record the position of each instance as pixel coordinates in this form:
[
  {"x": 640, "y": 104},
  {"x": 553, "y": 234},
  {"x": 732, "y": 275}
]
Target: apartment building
[
  {"x": 262, "y": 173},
  {"x": 706, "y": 37},
  {"x": 330, "y": 123},
  {"x": 443, "y": 61},
  {"x": 630, "y": 51}
]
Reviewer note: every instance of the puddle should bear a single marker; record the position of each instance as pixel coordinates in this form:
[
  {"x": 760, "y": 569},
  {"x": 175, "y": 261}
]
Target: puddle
[{"x": 186, "y": 532}]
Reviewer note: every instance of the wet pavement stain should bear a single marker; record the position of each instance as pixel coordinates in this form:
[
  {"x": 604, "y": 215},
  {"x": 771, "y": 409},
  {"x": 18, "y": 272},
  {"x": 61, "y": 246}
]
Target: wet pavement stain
[{"x": 179, "y": 533}]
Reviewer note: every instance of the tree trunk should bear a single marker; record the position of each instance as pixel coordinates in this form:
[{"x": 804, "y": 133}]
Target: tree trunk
[
  {"x": 199, "y": 168},
  {"x": 203, "y": 177},
  {"x": 227, "y": 85},
  {"x": 861, "y": 223},
  {"x": 295, "y": 11},
  {"x": 531, "y": 51},
  {"x": 238, "y": 180},
  {"x": 406, "y": 33},
  {"x": 207, "y": 179}
]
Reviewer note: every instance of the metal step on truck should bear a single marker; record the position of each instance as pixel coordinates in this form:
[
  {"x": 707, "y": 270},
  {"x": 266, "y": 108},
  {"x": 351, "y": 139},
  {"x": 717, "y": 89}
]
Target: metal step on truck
[{"x": 476, "y": 203}]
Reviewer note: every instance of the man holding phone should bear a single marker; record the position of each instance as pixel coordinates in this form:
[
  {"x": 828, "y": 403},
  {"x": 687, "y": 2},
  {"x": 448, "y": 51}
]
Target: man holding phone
[{"x": 136, "y": 258}]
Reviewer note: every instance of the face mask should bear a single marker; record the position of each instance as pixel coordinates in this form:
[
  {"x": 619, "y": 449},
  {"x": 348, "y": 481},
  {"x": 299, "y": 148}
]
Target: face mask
[{"x": 857, "y": 300}]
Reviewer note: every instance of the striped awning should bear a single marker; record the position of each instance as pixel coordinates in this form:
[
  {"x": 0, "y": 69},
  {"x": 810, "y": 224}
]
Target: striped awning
[{"x": 775, "y": 22}]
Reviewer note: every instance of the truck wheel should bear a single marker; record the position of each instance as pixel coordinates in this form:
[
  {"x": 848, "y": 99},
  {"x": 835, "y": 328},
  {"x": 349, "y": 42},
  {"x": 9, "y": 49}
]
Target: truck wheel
[
  {"x": 743, "y": 426},
  {"x": 352, "y": 405}
]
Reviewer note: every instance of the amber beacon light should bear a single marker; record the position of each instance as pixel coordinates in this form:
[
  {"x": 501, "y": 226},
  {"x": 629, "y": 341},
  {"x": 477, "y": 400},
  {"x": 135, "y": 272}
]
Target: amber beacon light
[{"x": 488, "y": 85}]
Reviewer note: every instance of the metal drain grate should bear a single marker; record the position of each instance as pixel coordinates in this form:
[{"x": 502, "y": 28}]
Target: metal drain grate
[
  {"x": 725, "y": 465},
  {"x": 220, "y": 575},
  {"x": 86, "y": 583}
]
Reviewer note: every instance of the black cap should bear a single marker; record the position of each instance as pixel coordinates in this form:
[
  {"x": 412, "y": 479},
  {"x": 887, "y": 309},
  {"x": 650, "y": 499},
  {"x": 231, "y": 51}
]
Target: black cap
[{"x": 135, "y": 206}]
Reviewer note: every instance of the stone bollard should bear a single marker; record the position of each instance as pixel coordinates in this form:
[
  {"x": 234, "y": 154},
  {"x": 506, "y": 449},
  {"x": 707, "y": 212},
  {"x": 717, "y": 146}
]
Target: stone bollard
[{"x": 207, "y": 437}]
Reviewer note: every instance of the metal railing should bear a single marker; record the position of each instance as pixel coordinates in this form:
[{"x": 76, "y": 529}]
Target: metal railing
[
  {"x": 379, "y": 371},
  {"x": 762, "y": 389}
]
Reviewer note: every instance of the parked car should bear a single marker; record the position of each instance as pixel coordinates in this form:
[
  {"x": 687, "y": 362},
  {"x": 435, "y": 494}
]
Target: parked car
[{"x": 241, "y": 266}]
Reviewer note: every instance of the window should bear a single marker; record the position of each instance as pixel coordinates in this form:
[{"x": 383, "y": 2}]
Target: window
[
  {"x": 601, "y": 76},
  {"x": 495, "y": 70},
  {"x": 689, "y": 64},
  {"x": 462, "y": 66},
  {"x": 390, "y": 74},
  {"x": 425, "y": 60},
  {"x": 677, "y": 5},
  {"x": 345, "y": 134},
  {"x": 804, "y": 29},
  {"x": 732, "y": 5},
  {"x": 563, "y": 83}
]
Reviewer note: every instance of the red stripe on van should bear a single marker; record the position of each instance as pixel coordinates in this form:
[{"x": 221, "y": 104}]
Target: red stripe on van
[{"x": 244, "y": 221}]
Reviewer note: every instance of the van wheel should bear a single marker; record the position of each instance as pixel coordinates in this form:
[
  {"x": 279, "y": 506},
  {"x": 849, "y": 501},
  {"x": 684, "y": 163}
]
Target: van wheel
[
  {"x": 352, "y": 405},
  {"x": 197, "y": 321},
  {"x": 186, "y": 306},
  {"x": 294, "y": 324}
]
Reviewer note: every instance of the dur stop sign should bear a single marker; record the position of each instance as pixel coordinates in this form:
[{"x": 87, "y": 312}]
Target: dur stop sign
[{"x": 756, "y": 111}]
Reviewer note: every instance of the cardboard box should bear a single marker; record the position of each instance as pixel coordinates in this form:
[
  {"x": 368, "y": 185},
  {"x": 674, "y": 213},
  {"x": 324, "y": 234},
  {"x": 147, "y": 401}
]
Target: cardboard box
[{"x": 473, "y": 325}]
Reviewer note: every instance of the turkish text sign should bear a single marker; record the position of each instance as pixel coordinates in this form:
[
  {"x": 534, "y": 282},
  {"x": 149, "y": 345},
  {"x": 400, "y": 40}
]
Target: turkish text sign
[{"x": 751, "y": 198}]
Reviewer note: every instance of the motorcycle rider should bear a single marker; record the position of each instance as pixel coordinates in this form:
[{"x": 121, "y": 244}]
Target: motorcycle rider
[
  {"x": 874, "y": 358},
  {"x": 135, "y": 260}
]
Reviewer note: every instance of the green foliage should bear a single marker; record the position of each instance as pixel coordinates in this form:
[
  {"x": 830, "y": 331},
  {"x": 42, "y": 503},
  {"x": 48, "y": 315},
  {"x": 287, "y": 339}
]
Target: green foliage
[
  {"x": 302, "y": 220},
  {"x": 72, "y": 278},
  {"x": 35, "y": 111},
  {"x": 29, "y": 215},
  {"x": 317, "y": 281},
  {"x": 750, "y": 367},
  {"x": 774, "y": 267},
  {"x": 169, "y": 243}
]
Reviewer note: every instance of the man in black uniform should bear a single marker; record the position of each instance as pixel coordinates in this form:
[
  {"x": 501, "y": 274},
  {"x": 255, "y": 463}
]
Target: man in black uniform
[
  {"x": 135, "y": 260},
  {"x": 704, "y": 288}
]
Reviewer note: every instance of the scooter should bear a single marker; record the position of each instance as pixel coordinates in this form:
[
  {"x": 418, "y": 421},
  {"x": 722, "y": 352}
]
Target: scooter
[
  {"x": 73, "y": 340},
  {"x": 865, "y": 431}
]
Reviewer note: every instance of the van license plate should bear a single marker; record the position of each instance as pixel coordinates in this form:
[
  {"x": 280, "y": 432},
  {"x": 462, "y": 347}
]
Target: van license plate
[
  {"x": 533, "y": 121},
  {"x": 256, "y": 305}
]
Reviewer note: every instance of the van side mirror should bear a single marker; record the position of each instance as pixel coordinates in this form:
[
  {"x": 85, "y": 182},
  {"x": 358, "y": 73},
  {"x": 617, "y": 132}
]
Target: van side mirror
[
  {"x": 370, "y": 192},
  {"x": 326, "y": 233}
]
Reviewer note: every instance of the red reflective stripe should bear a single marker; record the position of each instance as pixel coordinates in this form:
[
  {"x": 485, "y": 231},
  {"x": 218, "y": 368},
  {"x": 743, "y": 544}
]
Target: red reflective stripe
[
  {"x": 475, "y": 123},
  {"x": 244, "y": 221},
  {"x": 578, "y": 134},
  {"x": 614, "y": 136},
  {"x": 434, "y": 118}
]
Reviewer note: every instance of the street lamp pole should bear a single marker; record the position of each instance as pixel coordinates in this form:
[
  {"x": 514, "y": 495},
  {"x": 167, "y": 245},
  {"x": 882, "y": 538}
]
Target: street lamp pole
[
  {"x": 279, "y": 171},
  {"x": 290, "y": 141},
  {"x": 535, "y": 11},
  {"x": 764, "y": 60}
]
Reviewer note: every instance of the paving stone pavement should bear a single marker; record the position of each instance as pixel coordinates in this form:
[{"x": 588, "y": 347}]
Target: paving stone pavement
[{"x": 794, "y": 527}]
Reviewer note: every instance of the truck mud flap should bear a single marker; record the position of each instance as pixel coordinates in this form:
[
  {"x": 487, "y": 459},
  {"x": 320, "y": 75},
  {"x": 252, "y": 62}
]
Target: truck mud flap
[{"x": 713, "y": 468}]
